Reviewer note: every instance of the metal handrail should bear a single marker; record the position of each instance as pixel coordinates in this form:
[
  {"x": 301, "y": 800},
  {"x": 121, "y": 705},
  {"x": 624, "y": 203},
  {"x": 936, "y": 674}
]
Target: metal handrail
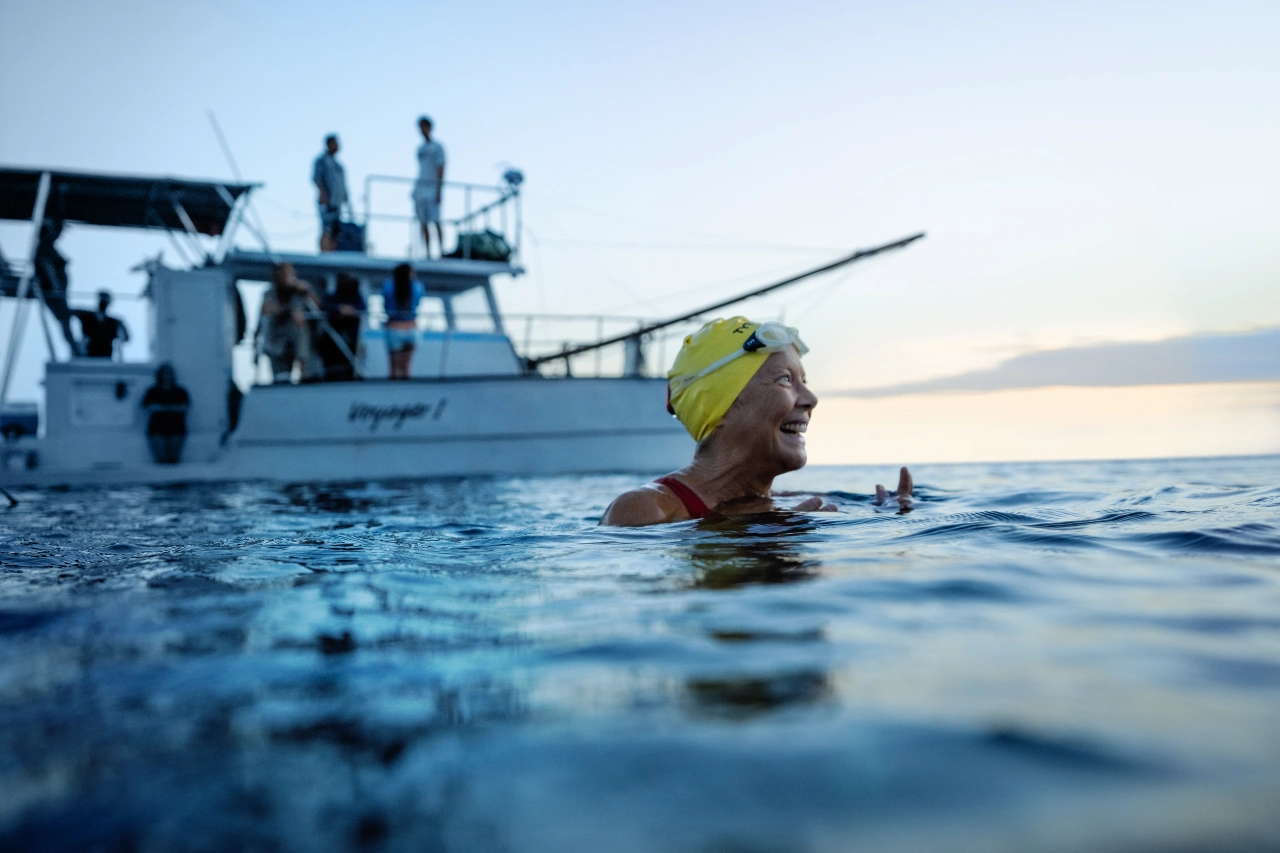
[
  {"x": 507, "y": 194},
  {"x": 436, "y": 319}
]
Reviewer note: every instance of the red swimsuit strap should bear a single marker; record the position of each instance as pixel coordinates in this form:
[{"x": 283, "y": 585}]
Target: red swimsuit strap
[{"x": 692, "y": 503}]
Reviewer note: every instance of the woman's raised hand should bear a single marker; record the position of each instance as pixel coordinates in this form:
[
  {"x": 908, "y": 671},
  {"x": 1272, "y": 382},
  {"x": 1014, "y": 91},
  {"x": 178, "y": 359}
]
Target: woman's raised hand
[{"x": 903, "y": 494}]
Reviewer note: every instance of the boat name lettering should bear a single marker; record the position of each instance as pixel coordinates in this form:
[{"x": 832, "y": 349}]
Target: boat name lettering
[{"x": 375, "y": 416}]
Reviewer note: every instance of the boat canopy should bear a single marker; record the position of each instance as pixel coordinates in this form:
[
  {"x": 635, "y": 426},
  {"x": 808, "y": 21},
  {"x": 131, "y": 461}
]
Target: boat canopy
[{"x": 122, "y": 201}]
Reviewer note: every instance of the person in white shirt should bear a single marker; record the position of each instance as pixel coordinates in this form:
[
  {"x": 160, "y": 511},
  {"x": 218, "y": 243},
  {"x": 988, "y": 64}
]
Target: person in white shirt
[{"x": 426, "y": 192}]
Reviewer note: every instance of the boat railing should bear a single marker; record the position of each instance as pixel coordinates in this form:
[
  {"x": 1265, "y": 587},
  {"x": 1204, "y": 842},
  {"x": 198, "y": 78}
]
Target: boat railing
[
  {"x": 539, "y": 336},
  {"x": 536, "y": 336},
  {"x": 484, "y": 207}
]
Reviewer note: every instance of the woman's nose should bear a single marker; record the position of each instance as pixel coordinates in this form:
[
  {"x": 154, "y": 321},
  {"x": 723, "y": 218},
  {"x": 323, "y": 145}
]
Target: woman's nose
[{"x": 808, "y": 399}]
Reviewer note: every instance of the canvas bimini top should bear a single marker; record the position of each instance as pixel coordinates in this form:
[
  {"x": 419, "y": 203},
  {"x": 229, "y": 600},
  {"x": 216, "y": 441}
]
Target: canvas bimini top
[{"x": 122, "y": 201}]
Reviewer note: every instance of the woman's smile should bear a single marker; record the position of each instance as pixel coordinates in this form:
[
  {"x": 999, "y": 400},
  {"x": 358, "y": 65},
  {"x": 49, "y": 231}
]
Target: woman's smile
[{"x": 796, "y": 428}]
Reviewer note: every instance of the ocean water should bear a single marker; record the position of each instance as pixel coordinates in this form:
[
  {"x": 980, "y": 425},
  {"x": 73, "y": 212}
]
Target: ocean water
[{"x": 1078, "y": 656}]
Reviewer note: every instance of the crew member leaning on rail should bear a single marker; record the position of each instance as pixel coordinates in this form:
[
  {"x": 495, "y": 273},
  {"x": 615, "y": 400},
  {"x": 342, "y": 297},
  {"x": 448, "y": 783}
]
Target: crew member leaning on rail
[{"x": 739, "y": 388}]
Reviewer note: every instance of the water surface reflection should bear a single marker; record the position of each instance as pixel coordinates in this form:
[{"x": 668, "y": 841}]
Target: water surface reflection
[{"x": 1023, "y": 661}]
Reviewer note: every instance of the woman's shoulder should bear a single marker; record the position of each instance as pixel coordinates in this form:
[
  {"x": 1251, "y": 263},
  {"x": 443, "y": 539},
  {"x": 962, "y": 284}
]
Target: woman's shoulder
[{"x": 652, "y": 503}]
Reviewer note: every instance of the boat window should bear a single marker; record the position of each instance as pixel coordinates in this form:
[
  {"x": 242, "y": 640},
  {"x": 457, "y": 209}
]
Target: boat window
[{"x": 472, "y": 311}]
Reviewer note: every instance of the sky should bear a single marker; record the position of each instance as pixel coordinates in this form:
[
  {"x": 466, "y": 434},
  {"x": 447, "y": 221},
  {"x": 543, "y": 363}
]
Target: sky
[{"x": 1087, "y": 173}]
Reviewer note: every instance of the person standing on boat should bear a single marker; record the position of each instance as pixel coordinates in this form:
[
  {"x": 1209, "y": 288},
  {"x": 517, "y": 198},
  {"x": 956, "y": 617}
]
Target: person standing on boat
[
  {"x": 283, "y": 330},
  {"x": 99, "y": 331},
  {"x": 167, "y": 402},
  {"x": 331, "y": 184},
  {"x": 400, "y": 295},
  {"x": 739, "y": 388},
  {"x": 342, "y": 309},
  {"x": 426, "y": 192},
  {"x": 51, "y": 274}
]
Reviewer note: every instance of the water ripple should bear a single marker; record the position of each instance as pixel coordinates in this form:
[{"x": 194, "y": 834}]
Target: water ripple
[{"x": 1084, "y": 654}]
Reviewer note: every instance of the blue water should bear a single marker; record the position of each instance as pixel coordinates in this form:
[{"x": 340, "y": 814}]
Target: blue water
[{"x": 1038, "y": 657}]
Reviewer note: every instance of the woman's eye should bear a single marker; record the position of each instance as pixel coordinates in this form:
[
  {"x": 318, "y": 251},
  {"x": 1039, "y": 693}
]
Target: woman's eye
[{"x": 786, "y": 379}]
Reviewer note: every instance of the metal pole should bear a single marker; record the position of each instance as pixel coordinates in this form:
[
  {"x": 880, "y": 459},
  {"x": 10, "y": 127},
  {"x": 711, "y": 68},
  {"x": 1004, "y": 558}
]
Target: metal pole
[
  {"x": 188, "y": 226},
  {"x": 15, "y": 335},
  {"x": 236, "y": 206},
  {"x": 493, "y": 309},
  {"x": 519, "y": 223},
  {"x": 450, "y": 318},
  {"x": 44, "y": 326},
  {"x": 599, "y": 334},
  {"x": 856, "y": 256}
]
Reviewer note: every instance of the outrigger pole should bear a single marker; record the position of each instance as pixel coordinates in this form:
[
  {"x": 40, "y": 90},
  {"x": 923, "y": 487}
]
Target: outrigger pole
[{"x": 646, "y": 330}]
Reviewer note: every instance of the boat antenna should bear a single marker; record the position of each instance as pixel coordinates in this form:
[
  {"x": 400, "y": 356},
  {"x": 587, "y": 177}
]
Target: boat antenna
[
  {"x": 258, "y": 229},
  {"x": 653, "y": 327},
  {"x": 226, "y": 149}
]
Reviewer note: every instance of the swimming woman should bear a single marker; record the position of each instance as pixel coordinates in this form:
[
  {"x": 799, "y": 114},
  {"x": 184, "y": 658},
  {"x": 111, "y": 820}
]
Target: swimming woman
[{"x": 739, "y": 388}]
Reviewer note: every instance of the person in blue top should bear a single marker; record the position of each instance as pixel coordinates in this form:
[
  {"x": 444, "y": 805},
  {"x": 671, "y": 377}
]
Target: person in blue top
[{"x": 400, "y": 295}]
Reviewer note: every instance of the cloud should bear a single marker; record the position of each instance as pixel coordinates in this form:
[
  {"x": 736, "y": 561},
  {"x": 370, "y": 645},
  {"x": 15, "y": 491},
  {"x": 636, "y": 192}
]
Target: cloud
[{"x": 1247, "y": 357}]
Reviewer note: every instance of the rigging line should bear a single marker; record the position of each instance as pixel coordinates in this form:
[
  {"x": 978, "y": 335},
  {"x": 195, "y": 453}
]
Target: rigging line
[
  {"x": 823, "y": 294},
  {"x": 260, "y": 231},
  {"x": 628, "y": 220},
  {"x": 609, "y": 275},
  {"x": 751, "y": 276},
  {"x": 860, "y": 254},
  {"x": 226, "y": 149},
  {"x": 281, "y": 206},
  {"x": 819, "y": 295},
  {"x": 537, "y": 269},
  {"x": 706, "y": 247}
]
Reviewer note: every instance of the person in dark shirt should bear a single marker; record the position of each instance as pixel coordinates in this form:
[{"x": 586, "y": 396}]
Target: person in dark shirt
[
  {"x": 99, "y": 331},
  {"x": 167, "y": 401},
  {"x": 343, "y": 309},
  {"x": 51, "y": 275}
]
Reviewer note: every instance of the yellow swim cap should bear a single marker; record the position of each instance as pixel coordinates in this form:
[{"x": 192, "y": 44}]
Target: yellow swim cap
[{"x": 714, "y": 366}]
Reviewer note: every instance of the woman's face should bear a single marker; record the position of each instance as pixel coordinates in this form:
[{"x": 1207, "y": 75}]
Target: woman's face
[{"x": 772, "y": 413}]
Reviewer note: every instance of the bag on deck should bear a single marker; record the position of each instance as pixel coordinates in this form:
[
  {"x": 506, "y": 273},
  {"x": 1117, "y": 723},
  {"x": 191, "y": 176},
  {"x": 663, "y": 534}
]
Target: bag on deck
[
  {"x": 350, "y": 237},
  {"x": 482, "y": 246}
]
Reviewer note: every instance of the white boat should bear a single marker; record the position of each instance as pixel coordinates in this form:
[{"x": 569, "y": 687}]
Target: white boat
[{"x": 475, "y": 405}]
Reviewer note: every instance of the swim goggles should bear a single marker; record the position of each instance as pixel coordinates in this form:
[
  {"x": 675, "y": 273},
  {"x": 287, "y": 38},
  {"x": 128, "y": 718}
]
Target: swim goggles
[{"x": 768, "y": 337}]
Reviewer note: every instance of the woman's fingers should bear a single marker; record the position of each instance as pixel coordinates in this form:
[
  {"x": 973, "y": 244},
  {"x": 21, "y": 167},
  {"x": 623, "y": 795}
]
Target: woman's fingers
[
  {"x": 815, "y": 504},
  {"x": 906, "y": 489}
]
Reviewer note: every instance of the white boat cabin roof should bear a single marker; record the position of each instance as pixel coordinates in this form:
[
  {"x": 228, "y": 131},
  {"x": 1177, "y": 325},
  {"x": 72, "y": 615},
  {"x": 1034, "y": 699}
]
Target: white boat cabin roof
[{"x": 441, "y": 276}]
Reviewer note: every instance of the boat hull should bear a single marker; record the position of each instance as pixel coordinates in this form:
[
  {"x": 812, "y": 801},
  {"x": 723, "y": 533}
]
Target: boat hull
[{"x": 377, "y": 430}]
